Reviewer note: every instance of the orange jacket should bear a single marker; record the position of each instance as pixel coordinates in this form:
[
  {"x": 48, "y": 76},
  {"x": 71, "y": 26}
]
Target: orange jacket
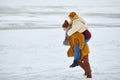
[{"x": 73, "y": 40}]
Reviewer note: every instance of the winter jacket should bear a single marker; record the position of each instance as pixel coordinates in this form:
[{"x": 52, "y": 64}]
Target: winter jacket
[
  {"x": 78, "y": 25},
  {"x": 77, "y": 38}
]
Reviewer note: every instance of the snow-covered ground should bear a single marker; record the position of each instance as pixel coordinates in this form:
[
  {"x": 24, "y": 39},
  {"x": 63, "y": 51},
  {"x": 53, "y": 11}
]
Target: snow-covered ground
[
  {"x": 39, "y": 55},
  {"x": 31, "y": 39}
]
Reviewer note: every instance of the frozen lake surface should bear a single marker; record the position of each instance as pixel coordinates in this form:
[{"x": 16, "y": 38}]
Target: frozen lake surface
[{"x": 44, "y": 14}]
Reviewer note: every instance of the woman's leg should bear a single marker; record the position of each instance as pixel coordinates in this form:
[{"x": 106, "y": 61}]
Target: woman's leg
[
  {"x": 86, "y": 40},
  {"x": 76, "y": 52},
  {"x": 76, "y": 56}
]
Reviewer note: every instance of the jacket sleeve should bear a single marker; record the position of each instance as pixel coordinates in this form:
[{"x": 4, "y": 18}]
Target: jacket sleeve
[{"x": 76, "y": 26}]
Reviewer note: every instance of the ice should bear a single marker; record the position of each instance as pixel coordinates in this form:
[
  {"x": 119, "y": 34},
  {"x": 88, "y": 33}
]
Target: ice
[{"x": 36, "y": 14}]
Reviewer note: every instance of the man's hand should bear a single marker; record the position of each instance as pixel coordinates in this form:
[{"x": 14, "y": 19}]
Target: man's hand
[{"x": 65, "y": 29}]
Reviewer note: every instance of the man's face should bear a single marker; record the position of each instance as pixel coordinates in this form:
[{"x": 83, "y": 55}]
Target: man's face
[{"x": 70, "y": 18}]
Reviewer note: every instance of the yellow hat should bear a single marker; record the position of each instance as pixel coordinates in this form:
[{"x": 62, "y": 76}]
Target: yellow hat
[{"x": 72, "y": 14}]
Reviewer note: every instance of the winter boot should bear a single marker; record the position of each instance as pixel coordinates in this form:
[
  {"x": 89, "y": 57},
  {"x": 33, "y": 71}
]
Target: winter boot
[
  {"x": 81, "y": 63},
  {"x": 87, "y": 67},
  {"x": 74, "y": 64},
  {"x": 89, "y": 75}
]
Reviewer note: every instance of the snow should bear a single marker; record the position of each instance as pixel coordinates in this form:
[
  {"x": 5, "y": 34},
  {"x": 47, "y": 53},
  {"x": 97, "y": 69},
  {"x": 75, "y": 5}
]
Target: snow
[
  {"x": 44, "y": 13},
  {"x": 31, "y": 39},
  {"x": 38, "y": 54}
]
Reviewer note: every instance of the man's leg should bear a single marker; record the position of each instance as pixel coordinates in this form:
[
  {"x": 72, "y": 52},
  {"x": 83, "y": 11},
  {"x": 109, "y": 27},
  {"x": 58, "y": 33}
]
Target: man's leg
[{"x": 81, "y": 63}]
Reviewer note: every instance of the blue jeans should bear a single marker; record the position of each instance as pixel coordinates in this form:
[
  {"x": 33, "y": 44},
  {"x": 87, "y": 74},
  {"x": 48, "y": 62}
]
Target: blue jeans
[{"x": 77, "y": 50}]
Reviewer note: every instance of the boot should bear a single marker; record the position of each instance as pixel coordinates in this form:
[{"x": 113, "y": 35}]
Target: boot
[
  {"x": 81, "y": 63},
  {"x": 89, "y": 75},
  {"x": 85, "y": 74},
  {"x": 87, "y": 67},
  {"x": 74, "y": 64}
]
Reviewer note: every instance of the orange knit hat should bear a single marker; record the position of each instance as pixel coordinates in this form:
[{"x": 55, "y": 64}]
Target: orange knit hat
[{"x": 72, "y": 14}]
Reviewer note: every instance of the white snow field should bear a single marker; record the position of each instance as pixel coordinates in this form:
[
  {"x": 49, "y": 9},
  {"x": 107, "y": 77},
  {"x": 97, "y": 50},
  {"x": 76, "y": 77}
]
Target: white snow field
[
  {"x": 38, "y": 54},
  {"x": 31, "y": 39}
]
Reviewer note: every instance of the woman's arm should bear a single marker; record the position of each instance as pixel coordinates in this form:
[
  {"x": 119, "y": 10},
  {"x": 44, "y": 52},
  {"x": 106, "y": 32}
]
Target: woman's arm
[{"x": 76, "y": 26}]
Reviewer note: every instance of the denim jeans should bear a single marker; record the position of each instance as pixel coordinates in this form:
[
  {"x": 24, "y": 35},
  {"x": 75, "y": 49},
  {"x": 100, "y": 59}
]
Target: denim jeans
[{"x": 77, "y": 50}]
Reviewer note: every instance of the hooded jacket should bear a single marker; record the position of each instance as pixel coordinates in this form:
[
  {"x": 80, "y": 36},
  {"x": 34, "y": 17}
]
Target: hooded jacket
[
  {"x": 77, "y": 38},
  {"x": 77, "y": 25}
]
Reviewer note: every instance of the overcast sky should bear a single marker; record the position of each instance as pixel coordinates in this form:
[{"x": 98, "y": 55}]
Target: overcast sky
[{"x": 57, "y": 2}]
